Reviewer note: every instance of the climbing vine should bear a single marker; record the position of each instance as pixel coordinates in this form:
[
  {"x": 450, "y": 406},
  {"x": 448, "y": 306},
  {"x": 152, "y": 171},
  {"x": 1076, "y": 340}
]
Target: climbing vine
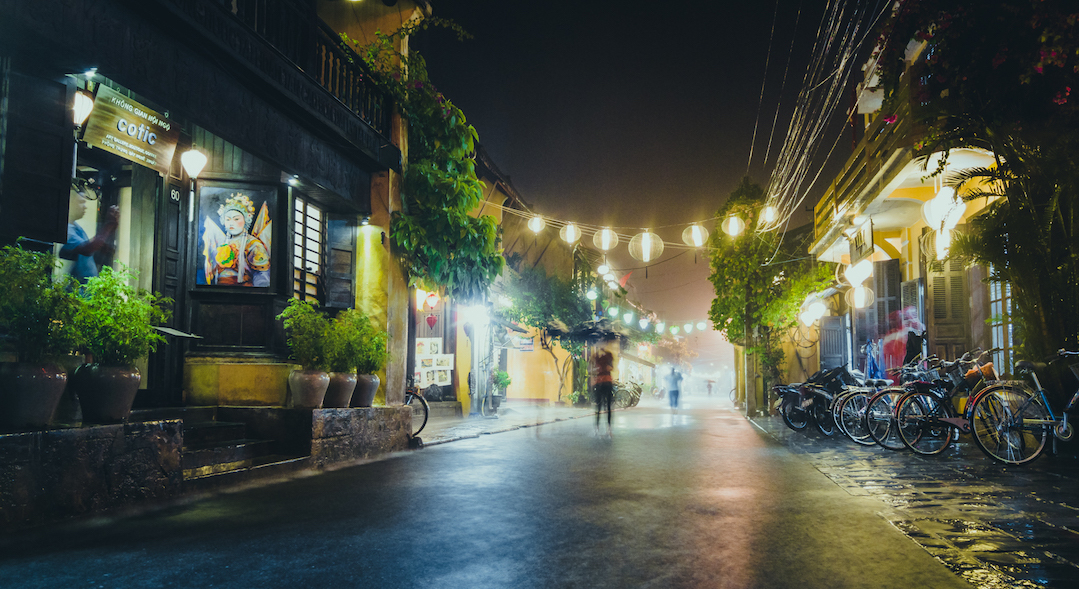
[{"x": 440, "y": 244}]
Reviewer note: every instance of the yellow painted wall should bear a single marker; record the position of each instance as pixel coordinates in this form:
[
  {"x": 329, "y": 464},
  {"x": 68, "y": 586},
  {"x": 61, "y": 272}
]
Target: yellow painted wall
[
  {"x": 534, "y": 374},
  {"x": 212, "y": 381}
]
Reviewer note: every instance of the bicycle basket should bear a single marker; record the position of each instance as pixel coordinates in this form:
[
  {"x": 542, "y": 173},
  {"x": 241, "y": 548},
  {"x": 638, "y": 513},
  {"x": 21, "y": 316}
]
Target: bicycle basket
[{"x": 988, "y": 372}]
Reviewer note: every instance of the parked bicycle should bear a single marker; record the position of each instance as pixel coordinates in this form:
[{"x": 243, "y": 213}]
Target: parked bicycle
[
  {"x": 1011, "y": 423},
  {"x": 421, "y": 410}
]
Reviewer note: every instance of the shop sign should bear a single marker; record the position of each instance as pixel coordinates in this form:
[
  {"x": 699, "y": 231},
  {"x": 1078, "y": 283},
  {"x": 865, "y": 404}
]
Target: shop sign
[
  {"x": 861, "y": 243},
  {"x": 128, "y": 129},
  {"x": 525, "y": 344}
]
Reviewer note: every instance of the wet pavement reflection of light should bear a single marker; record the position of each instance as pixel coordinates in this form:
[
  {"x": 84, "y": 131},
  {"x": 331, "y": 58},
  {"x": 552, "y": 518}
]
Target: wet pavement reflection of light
[{"x": 993, "y": 525}]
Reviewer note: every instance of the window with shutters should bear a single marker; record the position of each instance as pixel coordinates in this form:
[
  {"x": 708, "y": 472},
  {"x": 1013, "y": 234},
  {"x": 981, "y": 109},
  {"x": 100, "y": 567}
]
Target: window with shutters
[
  {"x": 308, "y": 245},
  {"x": 1000, "y": 325}
]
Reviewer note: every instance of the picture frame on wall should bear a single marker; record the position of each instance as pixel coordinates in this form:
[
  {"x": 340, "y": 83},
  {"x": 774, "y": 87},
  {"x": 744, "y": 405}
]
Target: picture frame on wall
[{"x": 235, "y": 232}]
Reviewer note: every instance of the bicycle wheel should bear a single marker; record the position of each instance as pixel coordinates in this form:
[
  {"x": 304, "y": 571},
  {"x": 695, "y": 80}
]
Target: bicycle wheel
[
  {"x": 822, "y": 416},
  {"x": 837, "y": 406},
  {"x": 1009, "y": 424},
  {"x": 852, "y": 418},
  {"x": 794, "y": 416},
  {"x": 420, "y": 412},
  {"x": 880, "y": 418},
  {"x": 918, "y": 415}
]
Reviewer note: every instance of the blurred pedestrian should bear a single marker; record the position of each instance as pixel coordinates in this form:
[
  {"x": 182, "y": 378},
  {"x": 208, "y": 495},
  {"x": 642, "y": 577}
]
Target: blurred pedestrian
[
  {"x": 603, "y": 366},
  {"x": 674, "y": 385}
]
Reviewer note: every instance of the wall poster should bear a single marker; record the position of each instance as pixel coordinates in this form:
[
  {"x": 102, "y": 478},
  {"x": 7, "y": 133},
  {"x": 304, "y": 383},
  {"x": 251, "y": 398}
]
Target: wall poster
[
  {"x": 235, "y": 232},
  {"x": 428, "y": 346}
]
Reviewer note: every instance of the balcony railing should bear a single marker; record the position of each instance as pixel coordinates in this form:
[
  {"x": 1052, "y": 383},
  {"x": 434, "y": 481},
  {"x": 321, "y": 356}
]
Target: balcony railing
[
  {"x": 865, "y": 169},
  {"x": 296, "y": 32}
]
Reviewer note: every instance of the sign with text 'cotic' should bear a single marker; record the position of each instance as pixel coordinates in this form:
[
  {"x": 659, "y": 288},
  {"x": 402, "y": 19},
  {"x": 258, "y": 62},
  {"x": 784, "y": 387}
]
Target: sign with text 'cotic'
[{"x": 130, "y": 130}]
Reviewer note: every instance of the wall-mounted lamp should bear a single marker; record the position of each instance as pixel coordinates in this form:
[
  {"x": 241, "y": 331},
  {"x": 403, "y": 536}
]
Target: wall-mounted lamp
[
  {"x": 366, "y": 220},
  {"x": 84, "y": 103},
  {"x": 193, "y": 162}
]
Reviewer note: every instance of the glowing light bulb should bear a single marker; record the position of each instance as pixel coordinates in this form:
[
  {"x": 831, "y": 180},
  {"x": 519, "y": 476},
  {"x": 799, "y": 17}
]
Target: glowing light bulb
[{"x": 536, "y": 224}]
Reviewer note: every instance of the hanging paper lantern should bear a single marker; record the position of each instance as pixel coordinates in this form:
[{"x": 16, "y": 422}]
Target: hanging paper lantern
[
  {"x": 688, "y": 327},
  {"x": 643, "y": 323},
  {"x": 769, "y": 214},
  {"x": 612, "y": 285},
  {"x": 421, "y": 297},
  {"x": 860, "y": 297},
  {"x": 660, "y": 327},
  {"x": 536, "y": 224},
  {"x": 603, "y": 269},
  {"x": 646, "y": 246},
  {"x": 570, "y": 233},
  {"x": 432, "y": 299},
  {"x": 431, "y": 320},
  {"x": 605, "y": 239},
  {"x": 701, "y": 325},
  {"x": 733, "y": 225},
  {"x": 695, "y": 235},
  {"x": 591, "y": 294},
  {"x": 609, "y": 277},
  {"x": 613, "y": 311},
  {"x": 674, "y": 330},
  {"x": 627, "y": 318}
]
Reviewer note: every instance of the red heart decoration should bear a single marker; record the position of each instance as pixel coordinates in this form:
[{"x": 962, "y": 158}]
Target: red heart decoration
[{"x": 431, "y": 320}]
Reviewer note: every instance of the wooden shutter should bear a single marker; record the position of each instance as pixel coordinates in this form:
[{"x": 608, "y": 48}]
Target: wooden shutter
[
  {"x": 949, "y": 329},
  {"x": 340, "y": 271},
  {"x": 886, "y": 286},
  {"x": 37, "y": 145},
  {"x": 833, "y": 349}
]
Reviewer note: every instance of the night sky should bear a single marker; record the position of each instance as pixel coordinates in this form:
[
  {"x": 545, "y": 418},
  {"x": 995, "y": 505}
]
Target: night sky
[{"x": 629, "y": 114}]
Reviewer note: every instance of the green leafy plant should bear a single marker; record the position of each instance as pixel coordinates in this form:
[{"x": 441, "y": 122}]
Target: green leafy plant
[
  {"x": 501, "y": 379},
  {"x": 356, "y": 344},
  {"x": 308, "y": 333},
  {"x": 760, "y": 279},
  {"x": 115, "y": 320},
  {"x": 439, "y": 242},
  {"x": 36, "y": 311}
]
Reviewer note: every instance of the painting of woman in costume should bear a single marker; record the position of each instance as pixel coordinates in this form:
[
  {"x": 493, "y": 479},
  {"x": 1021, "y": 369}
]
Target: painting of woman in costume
[{"x": 235, "y": 242}]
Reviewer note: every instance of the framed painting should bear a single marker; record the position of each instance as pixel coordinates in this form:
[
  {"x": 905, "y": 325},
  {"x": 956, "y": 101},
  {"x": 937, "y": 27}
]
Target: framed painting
[{"x": 235, "y": 230}]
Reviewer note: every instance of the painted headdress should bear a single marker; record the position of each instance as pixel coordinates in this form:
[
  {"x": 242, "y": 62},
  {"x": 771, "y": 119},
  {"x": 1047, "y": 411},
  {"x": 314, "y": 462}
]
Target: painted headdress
[{"x": 239, "y": 202}]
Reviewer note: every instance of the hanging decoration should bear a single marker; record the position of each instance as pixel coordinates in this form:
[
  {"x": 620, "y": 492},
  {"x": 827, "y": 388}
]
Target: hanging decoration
[
  {"x": 646, "y": 246},
  {"x": 570, "y": 233},
  {"x": 733, "y": 225},
  {"x": 605, "y": 239},
  {"x": 431, "y": 320},
  {"x": 695, "y": 235},
  {"x": 536, "y": 224}
]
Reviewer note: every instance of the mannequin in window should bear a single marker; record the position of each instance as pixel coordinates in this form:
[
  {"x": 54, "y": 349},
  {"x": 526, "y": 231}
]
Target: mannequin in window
[
  {"x": 80, "y": 247},
  {"x": 238, "y": 254}
]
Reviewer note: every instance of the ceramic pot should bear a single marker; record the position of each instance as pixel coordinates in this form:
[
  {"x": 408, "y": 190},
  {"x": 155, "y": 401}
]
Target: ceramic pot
[
  {"x": 105, "y": 392},
  {"x": 366, "y": 387},
  {"x": 342, "y": 385},
  {"x": 308, "y": 387},
  {"x": 29, "y": 394}
]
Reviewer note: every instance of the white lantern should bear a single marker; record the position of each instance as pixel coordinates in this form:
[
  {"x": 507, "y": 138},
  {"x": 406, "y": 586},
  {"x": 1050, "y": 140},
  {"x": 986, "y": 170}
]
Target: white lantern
[
  {"x": 701, "y": 325},
  {"x": 695, "y": 235},
  {"x": 605, "y": 239},
  {"x": 613, "y": 311},
  {"x": 591, "y": 294},
  {"x": 570, "y": 233},
  {"x": 769, "y": 214},
  {"x": 688, "y": 327},
  {"x": 603, "y": 269},
  {"x": 193, "y": 162},
  {"x": 536, "y": 224},
  {"x": 613, "y": 285},
  {"x": 646, "y": 246},
  {"x": 860, "y": 297},
  {"x": 84, "y": 103},
  {"x": 733, "y": 225},
  {"x": 945, "y": 210},
  {"x": 660, "y": 327},
  {"x": 857, "y": 273},
  {"x": 643, "y": 323},
  {"x": 609, "y": 277},
  {"x": 674, "y": 330},
  {"x": 627, "y": 318}
]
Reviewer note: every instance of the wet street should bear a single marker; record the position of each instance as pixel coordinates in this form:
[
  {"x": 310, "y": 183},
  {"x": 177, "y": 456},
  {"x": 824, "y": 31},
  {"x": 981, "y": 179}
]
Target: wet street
[{"x": 698, "y": 498}]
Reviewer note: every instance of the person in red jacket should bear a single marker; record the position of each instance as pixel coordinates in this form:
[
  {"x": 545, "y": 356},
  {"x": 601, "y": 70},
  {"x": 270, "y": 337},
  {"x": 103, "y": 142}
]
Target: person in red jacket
[{"x": 603, "y": 367}]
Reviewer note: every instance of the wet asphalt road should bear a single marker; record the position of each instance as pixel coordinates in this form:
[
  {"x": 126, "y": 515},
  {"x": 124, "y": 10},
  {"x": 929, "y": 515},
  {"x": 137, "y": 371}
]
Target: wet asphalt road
[{"x": 701, "y": 498}]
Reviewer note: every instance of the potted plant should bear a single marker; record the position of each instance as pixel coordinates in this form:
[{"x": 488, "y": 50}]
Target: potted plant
[
  {"x": 372, "y": 358},
  {"x": 501, "y": 380},
  {"x": 308, "y": 334},
  {"x": 36, "y": 314},
  {"x": 115, "y": 324},
  {"x": 345, "y": 351}
]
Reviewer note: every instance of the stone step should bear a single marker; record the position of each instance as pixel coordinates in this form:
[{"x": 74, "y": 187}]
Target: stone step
[
  {"x": 188, "y": 414},
  {"x": 230, "y": 452},
  {"x": 263, "y": 467},
  {"x": 206, "y": 433}
]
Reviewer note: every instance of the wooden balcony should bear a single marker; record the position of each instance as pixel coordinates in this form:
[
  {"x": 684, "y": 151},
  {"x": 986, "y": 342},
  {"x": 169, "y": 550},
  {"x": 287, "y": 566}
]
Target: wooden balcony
[{"x": 882, "y": 153}]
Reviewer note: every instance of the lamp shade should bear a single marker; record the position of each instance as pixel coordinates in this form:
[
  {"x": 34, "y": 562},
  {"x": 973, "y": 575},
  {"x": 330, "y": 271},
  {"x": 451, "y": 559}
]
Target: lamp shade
[
  {"x": 675, "y": 329},
  {"x": 733, "y": 225},
  {"x": 605, "y": 239},
  {"x": 536, "y": 224},
  {"x": 646, "y": 246},
  {"x": 643, "y": 322},
  {"x": 857, "y": 273},
  {"x": 701, "y": 325},
  {"x": 861, "y": 297},
  {"x": 627, "y": 318},
  {"x": 570, "y": 233},
  {"x": 84, "y": 103},
  {"x": 945, "y": 210},
  {"x": 688, "y": 327},
  {"x": 660, "y": 327},
  {"x": 193, "y": 162},
  {"x": 695, "y": 235},
  {"x": 603, "y": 269}
]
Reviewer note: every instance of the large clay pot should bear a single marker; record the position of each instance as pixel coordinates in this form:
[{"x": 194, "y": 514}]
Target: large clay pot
[
  {"x": 29, "y": 394},
  {"x": 105, "y": 392},
  {"x": 308, "y": 387},
  {"x": 342, "y": 385},
  {"x": 366, "y": 387}
]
